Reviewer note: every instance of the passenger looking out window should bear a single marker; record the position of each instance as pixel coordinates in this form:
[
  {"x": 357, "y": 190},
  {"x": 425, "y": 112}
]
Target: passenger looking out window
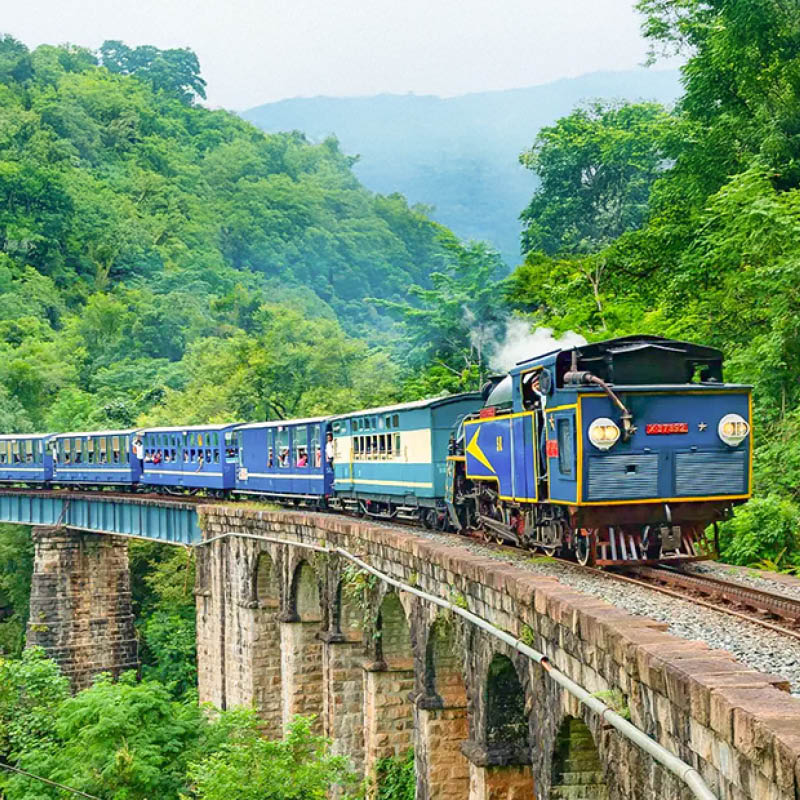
[
  {"x": 329, "y": 450},
  {"x": 302, "y": 458}
]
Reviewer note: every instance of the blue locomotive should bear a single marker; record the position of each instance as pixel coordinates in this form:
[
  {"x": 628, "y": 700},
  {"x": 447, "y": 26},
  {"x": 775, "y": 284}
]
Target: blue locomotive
[
  {"x": 618, "y": 451},
  {"x": 623, "y": 451}
]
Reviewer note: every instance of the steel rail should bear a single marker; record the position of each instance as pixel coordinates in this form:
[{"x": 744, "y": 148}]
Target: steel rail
[{"x": 685, "y": 772}]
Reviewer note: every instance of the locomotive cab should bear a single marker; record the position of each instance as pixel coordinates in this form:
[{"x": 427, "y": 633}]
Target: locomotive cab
[{"x": 618, "y": 451}]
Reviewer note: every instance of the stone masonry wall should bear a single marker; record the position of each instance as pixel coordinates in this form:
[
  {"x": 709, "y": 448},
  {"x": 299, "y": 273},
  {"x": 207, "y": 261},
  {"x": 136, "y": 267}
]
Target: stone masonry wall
[
  {"x": 80, "y": 606},
  {"x": 739, "y": 728}
]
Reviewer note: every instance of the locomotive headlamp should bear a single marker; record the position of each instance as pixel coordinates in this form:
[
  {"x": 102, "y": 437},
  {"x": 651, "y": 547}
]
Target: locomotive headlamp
[
  {"x": 733, "y": 429},
  {"x": 604, "y": 433}
]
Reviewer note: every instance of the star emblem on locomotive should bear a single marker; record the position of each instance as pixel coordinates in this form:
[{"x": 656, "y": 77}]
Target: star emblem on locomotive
[{"x": 701, "y": 426}]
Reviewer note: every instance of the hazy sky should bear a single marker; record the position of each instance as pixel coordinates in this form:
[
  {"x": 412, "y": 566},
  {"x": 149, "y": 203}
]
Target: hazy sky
[{"x": 254, "y": 51}]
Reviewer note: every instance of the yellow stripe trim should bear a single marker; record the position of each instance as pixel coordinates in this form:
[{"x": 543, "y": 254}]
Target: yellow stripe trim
[
  {"x": 561, "y": 408},
  {"x": 500, "y": 417}
]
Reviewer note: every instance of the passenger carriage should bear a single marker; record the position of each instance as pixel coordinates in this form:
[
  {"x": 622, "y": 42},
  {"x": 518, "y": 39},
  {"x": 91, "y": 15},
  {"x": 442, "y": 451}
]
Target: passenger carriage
[
  {"x": 190, "y": 458},
  {"x": 618, "y": 451},
  {"x": 95, "y": 457},
  {"x": 25, "y": 458},
  {"x": 391, "y": 462},
  {"x": 285, "y": 459}
]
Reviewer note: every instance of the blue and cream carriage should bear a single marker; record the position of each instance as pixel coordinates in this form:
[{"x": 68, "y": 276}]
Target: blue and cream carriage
[{"x": 390, "y": 462}]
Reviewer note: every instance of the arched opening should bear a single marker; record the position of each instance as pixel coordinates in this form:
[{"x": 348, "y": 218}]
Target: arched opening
[
  {"x": 505, "y": 735},
  {"x": 443, "y": 668},
  {"x": 301, "y": 650},
  {"x": 305, "y": 593},
  {"x": 389, "y": 680},
  {"x": 441, "y": 717},
  {"x": 506, "y": 722},
  {"x": 576, "y": 764},
  {"x": 267, "y": 591},
  {"x": 394, "y": 636}
]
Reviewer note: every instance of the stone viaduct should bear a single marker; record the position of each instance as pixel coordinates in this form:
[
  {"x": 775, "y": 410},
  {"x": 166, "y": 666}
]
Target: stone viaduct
[{"x": 294, "y": 631}]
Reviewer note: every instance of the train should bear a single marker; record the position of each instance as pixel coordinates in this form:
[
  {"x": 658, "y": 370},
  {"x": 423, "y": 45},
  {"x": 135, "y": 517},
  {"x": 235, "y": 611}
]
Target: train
[{"x": 620, "y": 452}]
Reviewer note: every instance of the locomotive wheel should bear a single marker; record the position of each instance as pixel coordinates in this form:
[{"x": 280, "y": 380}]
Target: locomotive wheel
[{"x": 583, "y": 547}]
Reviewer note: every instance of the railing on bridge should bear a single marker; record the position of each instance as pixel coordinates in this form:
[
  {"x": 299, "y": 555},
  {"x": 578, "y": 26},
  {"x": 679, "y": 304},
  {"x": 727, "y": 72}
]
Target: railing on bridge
[{"x": 167, "y": 521}]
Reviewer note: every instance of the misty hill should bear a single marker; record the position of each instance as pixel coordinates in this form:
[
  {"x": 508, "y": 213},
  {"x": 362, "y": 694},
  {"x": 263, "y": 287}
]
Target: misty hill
[{"x": 458, "y": 154}]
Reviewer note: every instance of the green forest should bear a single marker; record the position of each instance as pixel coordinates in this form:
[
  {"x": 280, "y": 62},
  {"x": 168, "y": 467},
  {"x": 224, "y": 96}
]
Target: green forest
[{"x": 164, "y": 263}]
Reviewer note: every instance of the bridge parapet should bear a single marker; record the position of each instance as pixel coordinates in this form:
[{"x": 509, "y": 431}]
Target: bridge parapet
[{"x": 484, "y": 721}]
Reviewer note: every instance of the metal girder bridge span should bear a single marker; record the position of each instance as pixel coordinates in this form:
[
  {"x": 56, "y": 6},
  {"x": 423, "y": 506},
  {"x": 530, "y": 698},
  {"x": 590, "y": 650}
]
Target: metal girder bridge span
[{"x": 162, "y": 520}]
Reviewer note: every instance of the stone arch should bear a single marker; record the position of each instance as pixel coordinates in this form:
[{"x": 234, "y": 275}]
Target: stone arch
[
  {"x": 265, "y": 582},
  {"x": 388, "y": 684},
  {"x": 441, "y": 723},
  {"x": 305, "y": 596},
  {"x": 394, "y": 634},
  {"x": 506, "y": 720},
  {"x": 576, "y": 763},
  {"x": 444, "y": 679},
  {"x": 348, "y": 615}
]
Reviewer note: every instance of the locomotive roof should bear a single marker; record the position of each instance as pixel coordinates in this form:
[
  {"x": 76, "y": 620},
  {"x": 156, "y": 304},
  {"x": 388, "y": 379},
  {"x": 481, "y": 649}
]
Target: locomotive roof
[
  {"x": 273, "y": 423},
  {"x": 430, "y": 402},
  {"x": 627, "y": 344}
]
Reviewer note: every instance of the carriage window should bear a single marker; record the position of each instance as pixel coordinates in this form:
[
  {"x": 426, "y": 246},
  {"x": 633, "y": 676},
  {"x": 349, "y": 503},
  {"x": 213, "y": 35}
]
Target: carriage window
[
  {"x": 382, "y": 444},
  {"x": 3, "y": 452},
  {"x": 115, "y": 448},
  {"x": 356, "y": 445},
  {"x": 29, "y": 451},
  {"x": 200, "y": 439},
  {"x": 389, "y": 439},
  {"x": 102, "y": 458},
  {"x": 375, "y": 446},
  {"x": 397, "y": 444},
  {"x": 396, "y": 421},
  {"x": 388, "y": 422},
  {"x": 282, "y": 446},
  {"x": 565, "y": 449},
  {"x": 315, "y": 445},
  {"x": 90, "y": 450},
  {"x": 125, "y": 451},
  {"x": 301, "y": 446},
  {"x": 14, "y": 451}
]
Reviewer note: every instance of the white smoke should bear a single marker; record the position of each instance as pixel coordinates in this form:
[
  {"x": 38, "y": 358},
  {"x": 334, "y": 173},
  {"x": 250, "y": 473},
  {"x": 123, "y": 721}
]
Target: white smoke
[{"x": 520, "y": 343}]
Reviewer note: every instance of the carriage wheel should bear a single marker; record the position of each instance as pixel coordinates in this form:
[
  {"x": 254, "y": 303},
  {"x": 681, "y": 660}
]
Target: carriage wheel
[{"x": 584, "y": 547}]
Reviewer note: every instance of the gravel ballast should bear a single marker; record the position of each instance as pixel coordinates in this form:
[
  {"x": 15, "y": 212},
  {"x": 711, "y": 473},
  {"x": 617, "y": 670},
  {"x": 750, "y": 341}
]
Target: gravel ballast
[{"x": 757, "y": 647}]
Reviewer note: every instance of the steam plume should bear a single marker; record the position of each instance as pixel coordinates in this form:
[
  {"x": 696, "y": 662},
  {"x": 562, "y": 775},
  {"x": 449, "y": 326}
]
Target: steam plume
[{"x": 520, "y": 343}]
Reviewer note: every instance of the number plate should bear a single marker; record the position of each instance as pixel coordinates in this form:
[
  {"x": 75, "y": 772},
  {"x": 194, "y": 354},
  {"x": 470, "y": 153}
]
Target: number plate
[{"x": 666, "y": 427}]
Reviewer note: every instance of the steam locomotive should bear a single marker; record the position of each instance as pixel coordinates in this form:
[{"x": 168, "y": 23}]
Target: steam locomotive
[{"x": 623, "y": 451}]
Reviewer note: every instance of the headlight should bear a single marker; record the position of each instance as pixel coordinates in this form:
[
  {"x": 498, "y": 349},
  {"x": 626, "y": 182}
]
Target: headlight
[
  {"x": 733, "y": 429},
  {"x": 603, "y": 433}
]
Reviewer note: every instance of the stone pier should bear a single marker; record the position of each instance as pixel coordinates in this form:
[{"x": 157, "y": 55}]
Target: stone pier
[{"x": 80, "y": 607}]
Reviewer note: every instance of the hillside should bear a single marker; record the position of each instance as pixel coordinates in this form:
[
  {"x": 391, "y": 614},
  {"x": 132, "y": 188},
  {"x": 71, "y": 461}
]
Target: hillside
[
  {"x": 144, "y": 239},
  {"x": 457, "y": 154}
]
